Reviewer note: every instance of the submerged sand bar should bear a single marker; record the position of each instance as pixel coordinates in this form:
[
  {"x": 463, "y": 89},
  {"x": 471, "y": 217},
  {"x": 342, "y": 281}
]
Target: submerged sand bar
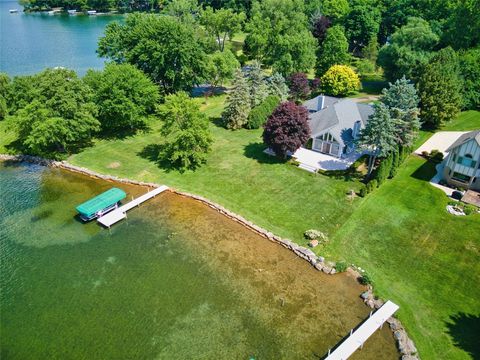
[{"x": 121, "y": 213}]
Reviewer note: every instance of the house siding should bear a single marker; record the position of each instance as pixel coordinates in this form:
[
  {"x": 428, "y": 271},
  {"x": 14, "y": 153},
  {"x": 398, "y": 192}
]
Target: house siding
[{"x": 452, "y": 166}]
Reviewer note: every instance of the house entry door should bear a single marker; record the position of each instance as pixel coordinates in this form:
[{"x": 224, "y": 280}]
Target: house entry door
[{"x": 326, "y": 147}]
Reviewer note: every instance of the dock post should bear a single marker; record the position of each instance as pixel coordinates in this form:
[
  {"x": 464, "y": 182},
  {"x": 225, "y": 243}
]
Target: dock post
[
  {"x": 371, "y": 312},
  {"x": 329, "y": 352},
  {"x": 361, "y": 346},
  {"x": 351, "y": 332}
]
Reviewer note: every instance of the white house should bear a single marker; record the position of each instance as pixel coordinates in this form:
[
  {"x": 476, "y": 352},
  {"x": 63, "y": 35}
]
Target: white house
[
  {"x": 462, "y": 165},
  {"x": 336, "y": 123}
]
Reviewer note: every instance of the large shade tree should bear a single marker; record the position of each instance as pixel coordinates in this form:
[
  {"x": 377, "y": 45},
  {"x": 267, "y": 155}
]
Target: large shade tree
[
  {"x": 286, "y": 129},
  {"x": 165, "y": 49},
  {"x": 57, "y": 116},
  {"x": 124, "y": 96},
  {"x": 439, "y": 88},
  {"x": 410, "y": 48},
  {"x": 362, "y": 24},
  {"x": 222, "y": 24},
  {"x": 470, "y": 71},
  {"x": 340, "y": 80},
  {"x": 278, "y": 36},
  {"x": 186, "y": 130}
]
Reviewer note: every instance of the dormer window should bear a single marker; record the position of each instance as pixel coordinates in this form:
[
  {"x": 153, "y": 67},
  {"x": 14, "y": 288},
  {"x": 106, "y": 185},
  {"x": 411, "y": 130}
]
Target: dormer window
[{"x": 467, "y": 160}]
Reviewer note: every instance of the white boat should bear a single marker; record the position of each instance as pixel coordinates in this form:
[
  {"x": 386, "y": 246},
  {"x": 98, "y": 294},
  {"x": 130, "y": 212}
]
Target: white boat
[
  {"x": 51, "y": 12},
  {"x": 13, "y": 11},
  {"x": 92, "y": 12},
  {"x": 72, "y": 12}
]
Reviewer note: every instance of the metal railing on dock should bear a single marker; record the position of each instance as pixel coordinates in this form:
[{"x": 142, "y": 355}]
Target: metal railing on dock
[
  {"x": 357, "y": 338},
  {"x": 121, "y": 213}
]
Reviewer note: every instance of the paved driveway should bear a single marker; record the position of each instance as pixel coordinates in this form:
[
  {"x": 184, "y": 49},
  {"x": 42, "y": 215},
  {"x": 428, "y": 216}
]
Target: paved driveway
[
  {"x": 440, "y": 141},
  {"x": 321, "y": 161}
]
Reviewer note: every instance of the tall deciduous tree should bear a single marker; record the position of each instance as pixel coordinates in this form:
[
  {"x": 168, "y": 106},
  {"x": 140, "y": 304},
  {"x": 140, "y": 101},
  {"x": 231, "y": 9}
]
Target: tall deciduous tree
[
  {"x": 59, "y": 116},
  {"x": 470, "y": 71},
  {"x": 222, "y": 24},
  {"x": 362, "y": 24},
  {"x": 440, "y": 88},
  {"x": 340, "y": 80},
  {"x": 221, "y": 67},
  {"x": 124, "y": 96},
  {"x": 238, "y": 106},
  {"x": 186, "y": 129},
  {"x": 378, "y": 136},
  {"x": 162, "y": 47},
  {"x": 333, "y": 50},
  {"x": 410, "y": 48},
  {"x": 184, "y": 10},
  {"x": 279, "y": 36},
  {"x": 336, "y": 10},
  {"x": 286, "y": 129},
  {"x": 320, "y": 25},
  {"x": 402, "y": 100},
  {"x": 463, "y": 26}
]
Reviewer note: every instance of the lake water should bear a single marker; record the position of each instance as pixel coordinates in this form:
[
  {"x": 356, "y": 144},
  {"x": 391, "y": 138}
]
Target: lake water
[
  {"x": 31, "y": 42},
  {"x": 177, "y": 280}
]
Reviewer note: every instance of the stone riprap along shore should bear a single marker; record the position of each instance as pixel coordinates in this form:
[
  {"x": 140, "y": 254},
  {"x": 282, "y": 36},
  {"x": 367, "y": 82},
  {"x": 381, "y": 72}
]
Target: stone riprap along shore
[{"x": 405, "y": 345}]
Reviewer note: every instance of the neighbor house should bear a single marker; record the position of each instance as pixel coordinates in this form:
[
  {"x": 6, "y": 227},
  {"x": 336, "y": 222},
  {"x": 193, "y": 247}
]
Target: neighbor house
[
  {"x": 462, "y": 164},
  {"x": 336, "y": 123}
]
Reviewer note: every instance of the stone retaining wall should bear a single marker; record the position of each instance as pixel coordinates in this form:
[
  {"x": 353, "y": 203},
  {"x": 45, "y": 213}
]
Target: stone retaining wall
[{"x": 404, "y": 343}]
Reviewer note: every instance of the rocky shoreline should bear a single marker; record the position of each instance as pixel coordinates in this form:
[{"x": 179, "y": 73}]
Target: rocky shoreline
[{"x": 405, "y": 345}]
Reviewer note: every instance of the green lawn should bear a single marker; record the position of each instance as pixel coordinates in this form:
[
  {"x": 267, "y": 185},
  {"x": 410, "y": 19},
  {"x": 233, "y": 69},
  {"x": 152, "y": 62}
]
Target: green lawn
[
  {"x": 421, "y": 257},
  {"x": 467, "y": 120}
]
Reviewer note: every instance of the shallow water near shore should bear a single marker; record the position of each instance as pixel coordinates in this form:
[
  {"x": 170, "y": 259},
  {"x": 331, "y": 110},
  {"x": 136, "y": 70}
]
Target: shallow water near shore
[{"x": 176, "y": 280}]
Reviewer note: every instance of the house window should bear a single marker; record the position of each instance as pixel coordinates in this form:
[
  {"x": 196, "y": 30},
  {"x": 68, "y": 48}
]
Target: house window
[
  {"x": 356, "y": 129},
  {"x": 454, "y": 157},
  {"x": 467, "y": 161},
  {"x": 335, "y": 148},
  {"x": 461, "y": 177}
]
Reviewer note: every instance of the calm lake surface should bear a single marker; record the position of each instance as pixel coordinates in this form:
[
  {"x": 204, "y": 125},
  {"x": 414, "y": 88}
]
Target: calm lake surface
[
  {"x": 31, "y": 42},
  {"x": 176, "y": 280}
]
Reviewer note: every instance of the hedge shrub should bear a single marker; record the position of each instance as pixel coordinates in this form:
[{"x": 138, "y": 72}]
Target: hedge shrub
[{"x": 260, "y": 113}]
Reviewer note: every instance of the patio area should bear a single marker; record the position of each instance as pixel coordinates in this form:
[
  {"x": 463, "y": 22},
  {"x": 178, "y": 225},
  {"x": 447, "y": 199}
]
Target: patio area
[{"x": 312, "y": 160}]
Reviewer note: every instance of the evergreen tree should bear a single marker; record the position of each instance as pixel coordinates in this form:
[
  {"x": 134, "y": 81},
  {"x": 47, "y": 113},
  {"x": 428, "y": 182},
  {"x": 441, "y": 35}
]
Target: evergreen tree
[
  {"x": 257, "y": 84},
  {"x": 333, "y": 50},
  {"x": 277, "y": 86},
  {"x": 378, "y": 136},
  {"x": 402, "y": 101},
  {"x": 238, "y": 107},
  {"x": 395, "y": 162},
  {"x": 440, "y": 88}
]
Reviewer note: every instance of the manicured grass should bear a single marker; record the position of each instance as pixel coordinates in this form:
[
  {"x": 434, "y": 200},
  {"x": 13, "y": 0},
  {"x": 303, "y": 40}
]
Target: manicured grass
[
  {"x": 467, "y": 120},
  {"x": 238, "y": 175},
  {"x": 420, "y": 257}
]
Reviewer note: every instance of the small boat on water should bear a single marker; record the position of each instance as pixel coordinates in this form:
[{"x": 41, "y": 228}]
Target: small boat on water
[
  {"x": 72, "y": 12},
  {"x": 101, "y": 204},
  {"x": 13, "y": 11},
  {"x": 51, "y": 12},
  {"x": 92, "y": 12}
]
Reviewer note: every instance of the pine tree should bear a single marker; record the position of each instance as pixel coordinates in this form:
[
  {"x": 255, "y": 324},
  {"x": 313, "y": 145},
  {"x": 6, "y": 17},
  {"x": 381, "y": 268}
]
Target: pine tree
[
  {"x": 277, "y": 86},
  {"x": 440, "y": 89},
  {"x": 395, "y": 163},
  {"x": 402, "y": 101},
  {"x": 238, "y": 106},
  {"x": 378, "y": 136},
  {"x": 333, "y": 51},
  {"x": 258, "y": 85}
]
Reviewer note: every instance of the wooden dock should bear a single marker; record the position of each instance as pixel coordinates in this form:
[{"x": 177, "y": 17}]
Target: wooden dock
[
  {"x": 357, "y": 338},
  {"x": 121, "y": 213}
]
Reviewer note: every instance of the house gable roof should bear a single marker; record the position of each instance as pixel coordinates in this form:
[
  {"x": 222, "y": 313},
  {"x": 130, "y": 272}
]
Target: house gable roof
[
  {"x": 475, "y": 134},
  {"x": 338, "y": 117}
]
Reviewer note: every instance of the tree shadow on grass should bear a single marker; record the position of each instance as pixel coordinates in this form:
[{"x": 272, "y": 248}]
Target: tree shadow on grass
[
  {"x": 218, "y": 121},
  {"x": 465, "y": 332},
  {"x": 425, "y": 172},
  {"x": 121, "y": 134},
  {"x": 153, "y": 152},
  {"x": 255, "y": 151}
]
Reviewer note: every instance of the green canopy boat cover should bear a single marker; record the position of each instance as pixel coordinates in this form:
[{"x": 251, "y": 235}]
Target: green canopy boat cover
[{"x": 101, "y": 202}]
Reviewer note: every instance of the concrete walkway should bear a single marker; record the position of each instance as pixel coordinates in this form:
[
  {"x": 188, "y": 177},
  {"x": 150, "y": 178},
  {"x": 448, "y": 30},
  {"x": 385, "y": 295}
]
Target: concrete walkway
[
  {"x": 318, "y": 161},
  {"x": 440, "y": 141}
]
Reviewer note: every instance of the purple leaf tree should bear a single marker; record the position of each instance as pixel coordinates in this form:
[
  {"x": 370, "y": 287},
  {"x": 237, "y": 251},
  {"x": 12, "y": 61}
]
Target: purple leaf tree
[
  {"x": 299, "y": 86},
  {"x": 286, "y": 129}
]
